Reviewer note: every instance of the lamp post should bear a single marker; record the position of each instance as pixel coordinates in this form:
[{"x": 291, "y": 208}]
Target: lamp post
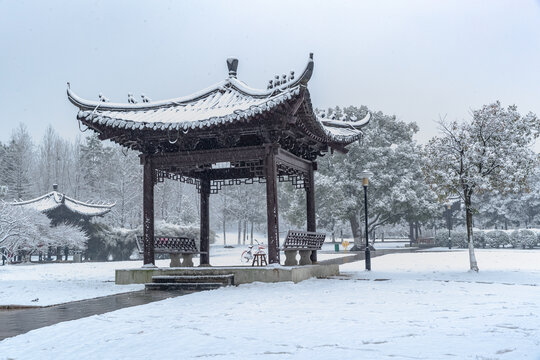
[{"x": 365, "y": 175}]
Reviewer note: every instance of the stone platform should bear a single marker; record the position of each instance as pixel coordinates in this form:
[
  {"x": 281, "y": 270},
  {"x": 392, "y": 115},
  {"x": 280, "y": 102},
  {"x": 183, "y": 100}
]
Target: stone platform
[{"x": 242, "y": 274}]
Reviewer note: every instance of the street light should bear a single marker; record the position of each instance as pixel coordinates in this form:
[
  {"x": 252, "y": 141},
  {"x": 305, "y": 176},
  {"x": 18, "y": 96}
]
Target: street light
[{"x": 365, "y": 175}]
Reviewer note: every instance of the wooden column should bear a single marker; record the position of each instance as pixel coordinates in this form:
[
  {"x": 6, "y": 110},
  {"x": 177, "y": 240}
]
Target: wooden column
[
  {"x": 270, "y": 169},
  {"x": 310, "y": 207},
  {"x": 148, "y": 211},
  {"x": 205, "y": 222}
]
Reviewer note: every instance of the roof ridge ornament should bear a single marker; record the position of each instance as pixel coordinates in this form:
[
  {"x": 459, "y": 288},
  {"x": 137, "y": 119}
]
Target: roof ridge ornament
[
  {"x": 232, "y": 65},
  {"x": 306, "y": 75},
  {"x": 102, "y": 98},
  {"x": 131, "y": 99}
]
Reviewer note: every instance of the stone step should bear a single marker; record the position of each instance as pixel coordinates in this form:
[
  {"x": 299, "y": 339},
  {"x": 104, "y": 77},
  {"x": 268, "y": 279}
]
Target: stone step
[
  {"x": 182, "y": 286},
  {"x": 222, "y": 279}
]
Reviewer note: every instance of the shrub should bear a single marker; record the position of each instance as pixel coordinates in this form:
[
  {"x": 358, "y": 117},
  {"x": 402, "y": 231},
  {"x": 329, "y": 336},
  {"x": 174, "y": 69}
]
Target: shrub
[
  {"x": 441, "y": 239},
  {"x": 459, "y": 239},
  {"x": 523, "y": 238},
  {"x": 496, "y": 238},
  {"x": 479, "y": 239}
]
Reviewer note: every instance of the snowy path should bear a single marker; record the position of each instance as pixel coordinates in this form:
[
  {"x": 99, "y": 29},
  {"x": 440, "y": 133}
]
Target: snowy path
[{"x": 428, "y": 308}]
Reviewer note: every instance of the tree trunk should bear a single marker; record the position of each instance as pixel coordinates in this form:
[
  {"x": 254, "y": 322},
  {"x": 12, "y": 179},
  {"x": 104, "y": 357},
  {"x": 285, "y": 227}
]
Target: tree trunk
[
  {"x": 245, "y": 231},
  {"x": 251, "y": 237},
  {"x": 224, "y": 231},
  {"x": 411, "y": 233},
  {"x": 224, "y": 220},
  {"x": 468, "y": 216},
  {"x": 355, "y": 227},
  {"x": 239, "y": 232},
  {"x": 333, "y": 230}
]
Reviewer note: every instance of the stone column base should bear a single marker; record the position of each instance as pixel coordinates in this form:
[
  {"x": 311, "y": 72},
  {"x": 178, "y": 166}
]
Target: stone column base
[
  {"x": 290, "y": 258},
  {"x": 175, "y": 260},
  {"x": 187, "y": 260},
  {"x": 305, "y": 257}
]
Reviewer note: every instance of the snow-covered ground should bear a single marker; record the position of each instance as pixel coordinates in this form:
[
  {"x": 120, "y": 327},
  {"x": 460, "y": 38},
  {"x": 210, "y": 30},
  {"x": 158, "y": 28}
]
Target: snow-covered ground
[
  {"x": 48, "y": 284},
  {"x": 411, "y": 306}
]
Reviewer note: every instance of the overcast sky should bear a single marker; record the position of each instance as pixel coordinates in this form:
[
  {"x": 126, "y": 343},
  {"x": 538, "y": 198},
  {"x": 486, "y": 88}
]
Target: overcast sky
[{"x": 419, "y": 60}]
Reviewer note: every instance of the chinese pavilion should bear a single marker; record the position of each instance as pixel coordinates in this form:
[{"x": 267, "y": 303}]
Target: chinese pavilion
[
  {"x": 60, "y": 208},
  {"x": 226, "y": 134}
]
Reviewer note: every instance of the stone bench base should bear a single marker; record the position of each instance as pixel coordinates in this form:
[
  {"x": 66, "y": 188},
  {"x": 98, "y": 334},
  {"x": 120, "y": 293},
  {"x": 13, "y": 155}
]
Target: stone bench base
[
  {"x": 305, "y": 257},
  {"x": 290, "y": 258},
  {"x": 187, "y": 260}
]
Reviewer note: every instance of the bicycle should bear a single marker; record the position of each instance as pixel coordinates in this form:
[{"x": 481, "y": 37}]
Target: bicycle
[{"x": 248, "y": 255}]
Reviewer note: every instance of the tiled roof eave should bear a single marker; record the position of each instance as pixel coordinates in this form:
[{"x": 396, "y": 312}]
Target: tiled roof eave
[
  {"x": 98, "y": 118},
  {"x": 82, "y": 208}
]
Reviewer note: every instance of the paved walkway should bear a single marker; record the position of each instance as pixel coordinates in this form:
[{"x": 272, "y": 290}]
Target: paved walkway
[
  {"x": 357, "y": 256},
  {"x": 16, "y": 322}
]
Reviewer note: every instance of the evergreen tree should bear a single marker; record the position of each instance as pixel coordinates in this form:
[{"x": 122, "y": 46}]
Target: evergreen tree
[
  {"x": 126, "y": 188},
  {"x": 489, "y": 153},
  {"x": 18, "y": 163},
  {"x": 97, "y": 168},
  {"x": 397, "y": 191}
]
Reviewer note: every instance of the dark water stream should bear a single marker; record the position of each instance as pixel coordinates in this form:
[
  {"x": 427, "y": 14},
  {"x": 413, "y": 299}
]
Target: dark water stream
[{"x": 15, "y": 322}]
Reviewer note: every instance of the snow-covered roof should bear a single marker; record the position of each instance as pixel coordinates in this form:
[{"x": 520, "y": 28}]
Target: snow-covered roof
[
  {"x": 226, "y": 102},
  {"x": 54, "y": 199}
]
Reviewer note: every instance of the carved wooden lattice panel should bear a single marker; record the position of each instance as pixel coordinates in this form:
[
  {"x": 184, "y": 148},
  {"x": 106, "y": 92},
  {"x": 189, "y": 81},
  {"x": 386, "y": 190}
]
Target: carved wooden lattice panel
[{"x": 162, "y": 175}]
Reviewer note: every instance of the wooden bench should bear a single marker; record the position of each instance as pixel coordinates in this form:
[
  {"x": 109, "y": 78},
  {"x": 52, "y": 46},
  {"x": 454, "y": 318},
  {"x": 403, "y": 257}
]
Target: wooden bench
[
  {"x": 174, "y": 246},
  {"x": 305, "y": 242}
]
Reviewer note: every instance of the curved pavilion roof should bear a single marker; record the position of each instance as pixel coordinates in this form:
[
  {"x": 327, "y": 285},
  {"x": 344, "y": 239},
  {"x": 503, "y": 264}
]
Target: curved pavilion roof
[
  {"x": 55, "y": 199},
  {"x": 226, "y": 103}
]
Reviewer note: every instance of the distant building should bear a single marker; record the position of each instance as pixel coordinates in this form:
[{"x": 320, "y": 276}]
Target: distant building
[{"x": 62, "y": 209}]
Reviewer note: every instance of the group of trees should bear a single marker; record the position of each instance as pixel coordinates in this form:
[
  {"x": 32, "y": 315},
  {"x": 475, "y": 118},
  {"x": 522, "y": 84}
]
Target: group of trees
[
  {"x": 486, "y": 161},
  {"x": 397, "y": 193},
  {"x": 26, "y": 232}
]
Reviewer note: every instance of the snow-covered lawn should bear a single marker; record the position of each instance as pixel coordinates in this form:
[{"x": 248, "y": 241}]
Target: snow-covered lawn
[
  {"x": 427, "y": 307},
  {"x": 59, "y": 283},
  {"x": 48, "y": 284}
]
